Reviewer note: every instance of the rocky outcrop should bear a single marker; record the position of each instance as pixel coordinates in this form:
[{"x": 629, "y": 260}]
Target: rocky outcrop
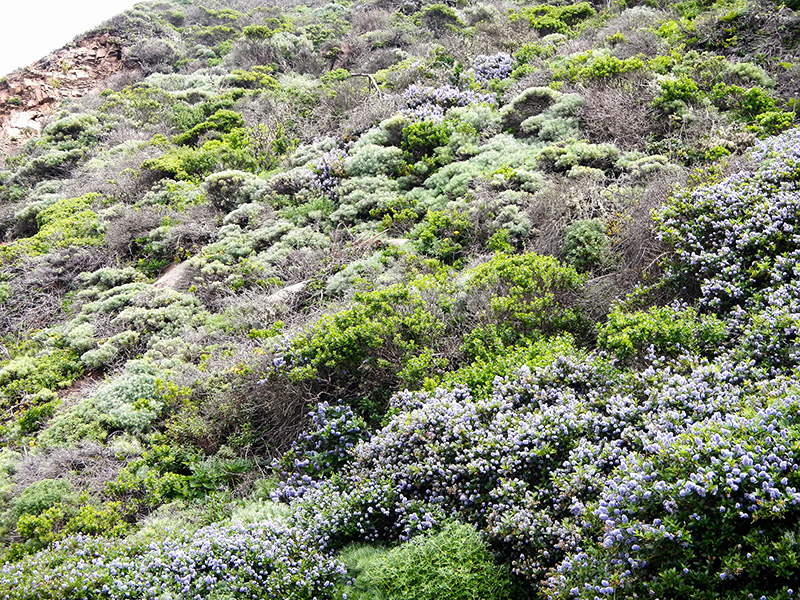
[{"x": 29, "y": 95}]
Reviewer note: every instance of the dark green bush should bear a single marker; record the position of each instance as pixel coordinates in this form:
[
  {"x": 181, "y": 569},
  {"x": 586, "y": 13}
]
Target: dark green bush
[
  {"x": 440, "y": 17},
  {"x": 445, "y": 235},
  {"x": 586, "y": 244}
]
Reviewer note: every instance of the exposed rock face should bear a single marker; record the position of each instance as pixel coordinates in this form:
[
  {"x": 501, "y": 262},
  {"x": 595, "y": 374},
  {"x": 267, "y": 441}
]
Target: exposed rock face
[{"x": 28, "y": 96}]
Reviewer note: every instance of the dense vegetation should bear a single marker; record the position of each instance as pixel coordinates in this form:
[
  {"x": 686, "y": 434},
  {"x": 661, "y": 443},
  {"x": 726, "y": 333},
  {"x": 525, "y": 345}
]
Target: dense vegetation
[{"x": 465, "y": 300}]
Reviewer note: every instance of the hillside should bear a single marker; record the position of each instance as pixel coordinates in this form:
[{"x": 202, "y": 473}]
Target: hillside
[{"x": 396, "y": 299}]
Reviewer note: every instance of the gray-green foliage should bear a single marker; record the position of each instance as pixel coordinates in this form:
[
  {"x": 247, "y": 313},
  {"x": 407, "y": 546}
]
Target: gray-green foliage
[
  {"x": 41, "y": 495},
  {"x": 120, "y": 315},
  {"x": 130, "y": 402},
  {"x": 227, "y": 190},
  {"x": 557, "y": 120},
  {"x": 373, "y": 160}
]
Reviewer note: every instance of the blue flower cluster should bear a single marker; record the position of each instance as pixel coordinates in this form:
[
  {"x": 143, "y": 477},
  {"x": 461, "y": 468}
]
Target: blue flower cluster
[
  {"x": 738, "y": 243},
  {"x": 431, "y": 103},
  {"x": 493, "y": 67},
  {"x": 328, "y": 172},
  {"x": 580, "y": 473},
  {"x": 264, "y": 560},
  {"x": 321, "y": 451}
]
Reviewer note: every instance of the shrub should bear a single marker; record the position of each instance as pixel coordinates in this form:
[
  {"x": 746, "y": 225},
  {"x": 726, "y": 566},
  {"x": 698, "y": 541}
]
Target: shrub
[
  {"x": 492, "y": 68},
  {"x": 667, "y": 330},
  {"x": 676, "y": 94},
  {"x": 372, "y": 160},
  {"x": 227, "y": 190},
  {"x": 528, "y": 103},
  {"x": 529, "y": 295},
  {"x": 452, "y": 564},
  {"x": 439, "y": 18},
  {"x": 360, "y": 353},
  {"x": 62, "y": 224},
  {"x": 548, "y": 19},
  {"x": 265, "y": 558},
  {"x": 47, "y": 369},
  {"x": 40, "y": 496},
  {"x": 586, "y": 244},
  {"x": 566, "y": 155},
  {"x": 222, "y": 121},
  {"x": 421, "y": 139},
  {"x": 444, "y": 235}
]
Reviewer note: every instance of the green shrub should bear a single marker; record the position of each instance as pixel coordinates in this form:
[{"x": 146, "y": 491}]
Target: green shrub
[
  {"x": 64, "y": 223},
  {"x": 529, "y": 295},
  {"x": 222, "y": 121},
  {"x": 547, "y": 19},
  {"x": 586, "y": 244},
  {"x": 186, "y": 163},
  {"x": 490, "y": 358},
  {"x": 41, "y": 495},
  {"x": 453, "y": 564},
  {"x": 528, "y": 103},
  {"x": 42, "y": 406},
  {"x": 440, "y": 17},
  {"x": 227, "y": 190},
  {"x": 131, "y": 403},
  {"x": 566, "y": 155},
  {"x": 370, "y": 160},
  {"x": 48, "y": 369},
  {"x": 84, "y": 128},
  {"x": 420, "y": 139},
  {"x": 676, "y": 94},
  {"x": 669, "y": 330},
  {"x": 444, "y": 235}
]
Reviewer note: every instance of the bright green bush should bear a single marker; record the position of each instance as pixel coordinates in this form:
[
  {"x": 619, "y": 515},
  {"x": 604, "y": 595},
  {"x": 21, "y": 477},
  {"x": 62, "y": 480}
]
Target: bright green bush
[
  {"x": 676, "y": 94},
  {"x": 360, "y": 354},
  {"x": 421, "y": 138},
  {"x": 47, "y": 369},
  {"x": 528, "y": 295},
  {"x": 454, "y": 564},
  {"x": 64, "y": 223},
  {"x": 670, "y": 330},
  {"x": 222, "y": 121},
  {"x": 547, "y": 18}
]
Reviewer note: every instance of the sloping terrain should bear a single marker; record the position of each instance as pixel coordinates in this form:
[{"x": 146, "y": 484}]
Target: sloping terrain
[
  {"x": 28, "y": 96},
  {"x": 392, "y": 300}
]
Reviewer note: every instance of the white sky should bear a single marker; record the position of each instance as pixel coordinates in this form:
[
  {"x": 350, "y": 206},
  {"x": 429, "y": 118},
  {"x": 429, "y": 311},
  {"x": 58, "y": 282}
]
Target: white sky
[{"x": 30, "y": 29}]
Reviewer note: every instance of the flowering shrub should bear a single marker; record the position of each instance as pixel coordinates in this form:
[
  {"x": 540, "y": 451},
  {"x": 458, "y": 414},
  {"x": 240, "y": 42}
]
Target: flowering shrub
[
  {"x": 570, "y": 470},
  {"x": 736, "y": 248},
  {"x": 492, "y": 68},
  {"x": 263, "y": 560},
  {"x": 328, "y": 170},
  {"x": 322, "y": 450},
  {"x": 431, "y": 103}
]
